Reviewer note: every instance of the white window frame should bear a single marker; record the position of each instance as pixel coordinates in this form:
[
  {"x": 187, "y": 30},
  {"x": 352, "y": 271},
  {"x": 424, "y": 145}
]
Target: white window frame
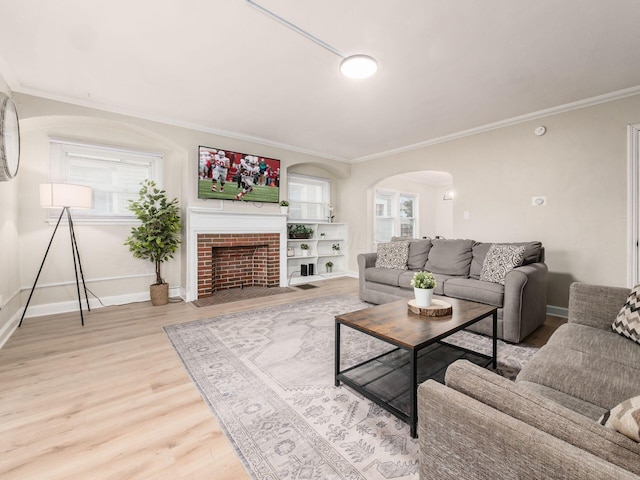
[
  {"x": 395, "y": 212},
  {"x": 106, "y": 156},
  {"x": 323, "y": 205}
]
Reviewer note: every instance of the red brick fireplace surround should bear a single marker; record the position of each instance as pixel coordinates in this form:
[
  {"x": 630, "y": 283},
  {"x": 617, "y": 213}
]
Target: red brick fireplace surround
[
  {"x": 231, "y": 260},
  {"x": 260, "y": 235}
]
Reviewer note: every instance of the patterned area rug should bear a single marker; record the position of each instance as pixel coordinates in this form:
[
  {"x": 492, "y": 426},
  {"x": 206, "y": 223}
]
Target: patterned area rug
[{"x": 267, "y": 375}]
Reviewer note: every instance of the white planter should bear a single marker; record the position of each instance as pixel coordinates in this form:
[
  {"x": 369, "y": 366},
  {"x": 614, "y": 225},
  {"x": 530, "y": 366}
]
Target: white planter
[
  {"x": 284, "y": 210},
  {"x": 305, "y": 253},
  {"x": 424, "y": 296}
]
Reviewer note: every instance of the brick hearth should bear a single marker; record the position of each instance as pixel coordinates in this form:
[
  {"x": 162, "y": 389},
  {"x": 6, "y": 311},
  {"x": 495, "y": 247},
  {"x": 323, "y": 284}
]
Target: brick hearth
[{"x": 233, "y": 260}]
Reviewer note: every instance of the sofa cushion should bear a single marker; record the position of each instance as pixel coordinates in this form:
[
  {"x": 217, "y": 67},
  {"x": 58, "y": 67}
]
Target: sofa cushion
[
  {"x": 388, "y": 276},
  {"x": 624, "y": 418},
  {"x": 589, "y": 377},
  {"x": 627, "y": 322},
  {"x": 500, "y": 260},
  {"x": 602, "y": 343},
  {"x": 393, "y": 255},
  {"x": 475, "y": 291},
  {"x": 450, "y": 257},
  {"x": 532, "y": 254},
  {"x": 418, "y": 251}
]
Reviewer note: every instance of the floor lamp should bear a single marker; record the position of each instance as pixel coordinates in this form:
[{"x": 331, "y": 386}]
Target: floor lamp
[{"x": 65, "y": 196}]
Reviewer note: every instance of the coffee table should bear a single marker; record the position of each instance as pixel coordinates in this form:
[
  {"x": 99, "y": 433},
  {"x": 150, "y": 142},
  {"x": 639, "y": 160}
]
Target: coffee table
[{"x": 391, "y": 379}]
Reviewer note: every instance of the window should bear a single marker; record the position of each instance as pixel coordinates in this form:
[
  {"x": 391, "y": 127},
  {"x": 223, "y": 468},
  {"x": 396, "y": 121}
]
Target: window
[
  {"x": 395, "y": 215},
  {"x": 309, "y": 198},
  {"x": 113, "y": 173}
]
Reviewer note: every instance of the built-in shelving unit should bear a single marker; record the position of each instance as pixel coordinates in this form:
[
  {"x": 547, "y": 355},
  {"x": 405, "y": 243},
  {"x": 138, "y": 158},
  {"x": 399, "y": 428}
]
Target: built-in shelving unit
[{"x": 321, "y": 250}]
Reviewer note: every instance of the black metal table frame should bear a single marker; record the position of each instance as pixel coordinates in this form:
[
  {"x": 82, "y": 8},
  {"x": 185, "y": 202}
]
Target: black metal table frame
[{"x": 412, "y": 416}]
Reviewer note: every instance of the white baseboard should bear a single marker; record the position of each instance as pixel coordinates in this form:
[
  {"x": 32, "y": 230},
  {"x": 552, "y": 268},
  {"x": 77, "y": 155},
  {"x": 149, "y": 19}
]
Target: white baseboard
[
  {"x": 8, "y": 328},
  {"x": 72, "y": 305},
  {"x": 554, "y": 311}
]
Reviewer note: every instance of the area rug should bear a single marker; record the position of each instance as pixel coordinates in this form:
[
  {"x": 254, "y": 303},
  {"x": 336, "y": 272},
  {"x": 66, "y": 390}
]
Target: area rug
[{"x": 267, "y": 375}]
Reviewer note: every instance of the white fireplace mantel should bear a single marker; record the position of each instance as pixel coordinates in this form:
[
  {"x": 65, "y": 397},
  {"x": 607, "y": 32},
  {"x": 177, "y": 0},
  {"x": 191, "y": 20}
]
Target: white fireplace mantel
[{"x": 204, "y": 220}]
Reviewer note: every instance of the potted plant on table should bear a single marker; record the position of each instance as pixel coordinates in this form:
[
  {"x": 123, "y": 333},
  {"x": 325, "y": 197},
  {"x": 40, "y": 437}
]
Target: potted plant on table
[
  {"x": 284, "y": 207},
  {"x": 158, "y": 236},
  {"x": 423, "y": 284},
  {"x": 305, "y": 249}
]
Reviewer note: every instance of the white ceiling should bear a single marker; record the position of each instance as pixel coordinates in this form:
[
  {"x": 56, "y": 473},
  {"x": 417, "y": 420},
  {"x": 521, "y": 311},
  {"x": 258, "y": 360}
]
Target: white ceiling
[{"x": 222, "y": 66}]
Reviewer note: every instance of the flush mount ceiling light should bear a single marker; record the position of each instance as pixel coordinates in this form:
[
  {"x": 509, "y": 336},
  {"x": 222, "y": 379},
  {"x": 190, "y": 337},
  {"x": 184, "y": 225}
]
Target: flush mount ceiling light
[
  {"x": 352, "y": 66},
  {"x": 358, "y": 66}
]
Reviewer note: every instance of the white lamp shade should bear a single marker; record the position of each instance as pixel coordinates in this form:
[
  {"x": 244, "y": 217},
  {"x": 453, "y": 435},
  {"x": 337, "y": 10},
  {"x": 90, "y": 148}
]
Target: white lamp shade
[
  {"x": 358, "y": 66},
  {"x": 58, "y": 195}
]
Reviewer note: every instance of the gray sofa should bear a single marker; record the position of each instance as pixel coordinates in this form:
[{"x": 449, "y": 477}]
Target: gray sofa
[
  {"x": 543, "y": 425},
  {"x": 457, "y": 264}
]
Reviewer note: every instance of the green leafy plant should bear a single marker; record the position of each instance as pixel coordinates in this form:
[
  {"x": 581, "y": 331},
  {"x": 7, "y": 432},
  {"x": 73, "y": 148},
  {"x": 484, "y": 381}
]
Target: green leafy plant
[
  {"x": 284, "y": 203},
  {"x": 299, "y": 231},
  {"x": 423, "y": 280},
  {"x": 328, "y": 264},
  {"x": 158, "y": 236},
  {"x": 304, "y": 246},
  {"x": 336, "y": 247}
]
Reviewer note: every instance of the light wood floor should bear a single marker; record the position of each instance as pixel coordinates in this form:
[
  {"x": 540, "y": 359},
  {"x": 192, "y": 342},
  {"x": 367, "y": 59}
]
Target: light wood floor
[{"x": 112, "y": 399}]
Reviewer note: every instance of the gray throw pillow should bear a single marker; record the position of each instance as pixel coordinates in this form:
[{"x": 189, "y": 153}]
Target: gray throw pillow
[
  {"x": 627, "y": 322},
  {"x": 500, "y": 260},
  {"x": 393, "y": 255}
]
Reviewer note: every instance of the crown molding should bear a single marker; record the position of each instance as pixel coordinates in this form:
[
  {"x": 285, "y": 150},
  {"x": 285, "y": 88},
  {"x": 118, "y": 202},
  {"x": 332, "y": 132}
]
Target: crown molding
[
  {"x": 608, "y": 97},
  {"x": 168, "y": 121}
]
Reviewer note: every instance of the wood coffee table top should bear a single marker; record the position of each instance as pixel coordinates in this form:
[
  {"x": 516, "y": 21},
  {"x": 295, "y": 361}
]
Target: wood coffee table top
[{"x": 395, "y": 323}]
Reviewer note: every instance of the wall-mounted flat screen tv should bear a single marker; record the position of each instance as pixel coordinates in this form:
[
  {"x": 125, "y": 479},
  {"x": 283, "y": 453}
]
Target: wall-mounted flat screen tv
[{"x": 227, "y": 175}]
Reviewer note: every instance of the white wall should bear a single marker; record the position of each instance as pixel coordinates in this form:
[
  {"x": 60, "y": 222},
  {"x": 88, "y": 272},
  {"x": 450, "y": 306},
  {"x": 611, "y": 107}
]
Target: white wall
[
  {"x": 580, "y": 165},
  {"x": 9, "y": 252}
]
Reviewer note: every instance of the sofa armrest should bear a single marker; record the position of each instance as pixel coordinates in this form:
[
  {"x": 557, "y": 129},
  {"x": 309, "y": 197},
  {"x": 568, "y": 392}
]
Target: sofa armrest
[
  {"x": 525, "y": 301},
  {"x": 595, "y": 305},
  {"x": 365, "y": 260},
  {"x": 462, "y": 438},
  {"x": 544, "y": 414}
]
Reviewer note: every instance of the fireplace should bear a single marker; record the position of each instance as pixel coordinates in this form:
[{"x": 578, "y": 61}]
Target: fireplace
[
  {"x": 237, "y": 260},
  {"x": 227, "y": 250}
]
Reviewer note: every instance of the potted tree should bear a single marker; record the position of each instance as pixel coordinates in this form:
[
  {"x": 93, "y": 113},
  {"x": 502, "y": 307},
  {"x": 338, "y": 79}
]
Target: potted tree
[
  {"x": 423, "y": 284},
  {"x": 158, "y": 236}
]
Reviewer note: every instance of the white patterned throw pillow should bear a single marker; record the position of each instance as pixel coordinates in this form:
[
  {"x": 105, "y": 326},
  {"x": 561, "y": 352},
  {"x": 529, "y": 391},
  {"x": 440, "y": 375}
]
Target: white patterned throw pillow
[
  {"x": 393, "y": 255},
  {"x": 500, "y": 260},
  {"x": 627, "y": 322},
  {"x": 624, "y": 418}
]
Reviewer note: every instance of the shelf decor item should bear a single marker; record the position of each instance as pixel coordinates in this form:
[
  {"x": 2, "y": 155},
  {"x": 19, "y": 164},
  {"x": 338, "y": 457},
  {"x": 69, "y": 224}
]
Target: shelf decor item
[
  {"x": 297, "y": 231},
  {"x": 329, "y": 266},
  {"x": 305, "y": 249},
  {"x": 335, "y": 247},
  {"x": 158, "y": 237},
  {"x": 423, "y": 284},
  {"x": 284, "y": 207}
]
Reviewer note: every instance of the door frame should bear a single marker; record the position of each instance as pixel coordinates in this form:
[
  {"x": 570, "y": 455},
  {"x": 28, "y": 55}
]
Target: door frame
[{"x": 633, "y": 209}]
